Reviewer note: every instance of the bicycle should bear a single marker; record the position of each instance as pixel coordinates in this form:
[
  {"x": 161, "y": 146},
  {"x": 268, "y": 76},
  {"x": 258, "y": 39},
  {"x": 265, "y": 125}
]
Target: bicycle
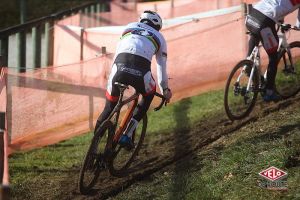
[
  {"x": 246, "y": 79},
  {"x": 108, "y": 154}
]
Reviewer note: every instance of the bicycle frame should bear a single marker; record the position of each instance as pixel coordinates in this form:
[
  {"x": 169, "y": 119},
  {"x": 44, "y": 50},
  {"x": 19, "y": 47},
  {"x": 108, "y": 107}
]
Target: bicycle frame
[
  {"x": 255, "y": 57},
  {"x": 128, "y": 113},
  {"x": 127, "y": 116}
]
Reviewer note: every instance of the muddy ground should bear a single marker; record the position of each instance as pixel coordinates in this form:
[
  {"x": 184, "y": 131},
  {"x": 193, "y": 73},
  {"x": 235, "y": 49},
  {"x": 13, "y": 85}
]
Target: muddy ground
[{"x": 167, "y": 150}]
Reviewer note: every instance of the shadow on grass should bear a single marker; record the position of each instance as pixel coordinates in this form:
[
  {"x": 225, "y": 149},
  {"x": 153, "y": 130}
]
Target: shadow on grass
[{"x": 182, "y": 144}]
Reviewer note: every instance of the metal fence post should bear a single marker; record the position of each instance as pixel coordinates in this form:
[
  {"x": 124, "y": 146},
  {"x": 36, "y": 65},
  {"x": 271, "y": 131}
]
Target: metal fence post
[
  {"x": 98, "y": 17},
  {"x": 23, "y": 11},
  {"x": 86, "y": 17},
  {"x": 4, "y": 51},
  {"x": 36, "y": 47},
  {"x": 81, "y": 18},
  {"x": 92, "y": 15},
  {"x": 48, "y": 43},
  {"x": 21, "y": 50},
  {"x": 81, "y": 43}
]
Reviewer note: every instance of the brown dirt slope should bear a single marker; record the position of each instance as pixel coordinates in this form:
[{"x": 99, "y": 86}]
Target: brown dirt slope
[{"x": 169, "y": 149}]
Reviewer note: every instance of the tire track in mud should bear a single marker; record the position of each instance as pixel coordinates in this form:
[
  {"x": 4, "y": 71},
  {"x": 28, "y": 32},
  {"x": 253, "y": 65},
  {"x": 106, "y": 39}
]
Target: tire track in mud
[{"x": 154, "y": 156}]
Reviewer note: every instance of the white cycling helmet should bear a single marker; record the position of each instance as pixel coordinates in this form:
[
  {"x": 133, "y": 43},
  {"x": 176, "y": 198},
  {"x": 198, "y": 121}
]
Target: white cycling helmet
[{"x": 152, "y": 19}]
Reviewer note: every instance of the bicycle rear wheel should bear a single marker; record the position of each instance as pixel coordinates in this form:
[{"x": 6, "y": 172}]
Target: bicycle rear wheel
[
  {"x": 95, "y": 160},
  {"x": 121, "y": 158},
  {"x": 239, "y": 102},
  {"x": 287, "y": 80}
]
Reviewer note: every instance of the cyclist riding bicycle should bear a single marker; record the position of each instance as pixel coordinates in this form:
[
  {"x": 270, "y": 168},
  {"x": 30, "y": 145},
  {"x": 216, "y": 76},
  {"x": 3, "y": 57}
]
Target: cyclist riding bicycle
[
  {"x": 261, "y": 22},
  {"x": 139, "y": 42}
]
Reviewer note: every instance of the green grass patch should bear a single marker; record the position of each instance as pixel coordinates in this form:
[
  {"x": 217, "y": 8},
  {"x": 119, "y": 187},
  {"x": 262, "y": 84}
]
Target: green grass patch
[
  {"x": 228, "y": 169},
  {"x": 39, "y": 170},
  {"x": 29, "y": 168},
  {"x": 191, "y": 110}
]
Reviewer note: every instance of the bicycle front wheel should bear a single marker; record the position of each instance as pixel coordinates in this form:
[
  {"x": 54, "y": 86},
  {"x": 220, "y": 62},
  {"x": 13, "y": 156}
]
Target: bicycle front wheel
[
  {"x": 96, "y": 158},
  {"x": 238, "y": 100},
  {"x": 121, "y": 157},
  {"x": 287, "y": 80}
]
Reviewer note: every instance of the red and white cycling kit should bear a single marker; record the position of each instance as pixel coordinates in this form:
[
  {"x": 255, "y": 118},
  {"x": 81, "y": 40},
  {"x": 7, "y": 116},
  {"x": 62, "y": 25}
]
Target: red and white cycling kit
[
  {"x": 277, "y": 9},
  {"x": 261, "y": 22},
  {"x": 138, "y": 44}
]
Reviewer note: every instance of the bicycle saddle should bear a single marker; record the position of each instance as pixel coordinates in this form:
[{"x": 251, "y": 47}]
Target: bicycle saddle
[{"x": 121, "y": 85}]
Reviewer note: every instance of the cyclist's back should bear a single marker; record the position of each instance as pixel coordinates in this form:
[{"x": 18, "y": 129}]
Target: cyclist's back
[
  {"x": 141, "y": 39},
  {"x": 139, "y": 42},
  {"x": 137, "y": 45}
]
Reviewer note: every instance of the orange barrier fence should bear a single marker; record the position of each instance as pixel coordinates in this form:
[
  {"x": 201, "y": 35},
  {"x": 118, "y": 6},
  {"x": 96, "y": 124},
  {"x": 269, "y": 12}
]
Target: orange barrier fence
[
  {"x": 118, "y": 10},
  {"x": 55, "y": 102},
  {"x": 51, "y": 104},
  {"x": 60, "y": 102}
]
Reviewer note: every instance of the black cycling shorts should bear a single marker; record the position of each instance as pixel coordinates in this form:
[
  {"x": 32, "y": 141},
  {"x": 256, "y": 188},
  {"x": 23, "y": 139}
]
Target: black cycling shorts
[
  {"x": 131, "y": 70},
  {"x": 263, "y": 28}
]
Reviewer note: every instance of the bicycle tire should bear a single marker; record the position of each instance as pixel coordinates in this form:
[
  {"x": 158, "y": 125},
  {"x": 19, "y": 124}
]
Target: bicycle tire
[
  {"x": 240, "y": 107},
  {"x": 287, "y": 81},
  {"x": 92, "y": 161},
  {"x": 120, "y": 169}
]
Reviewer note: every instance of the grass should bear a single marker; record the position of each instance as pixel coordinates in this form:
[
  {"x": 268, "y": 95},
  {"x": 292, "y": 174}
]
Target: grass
[
  {"x": 194, "y": 109},
  {"x": 28, "y": 168},
  {"x": 226, "y": 169},
  {"x": 36, "y": 166}
]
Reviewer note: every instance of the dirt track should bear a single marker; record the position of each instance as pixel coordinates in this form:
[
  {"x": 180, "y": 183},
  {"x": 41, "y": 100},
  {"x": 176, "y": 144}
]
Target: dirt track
[{"x": 168, "y": 149}]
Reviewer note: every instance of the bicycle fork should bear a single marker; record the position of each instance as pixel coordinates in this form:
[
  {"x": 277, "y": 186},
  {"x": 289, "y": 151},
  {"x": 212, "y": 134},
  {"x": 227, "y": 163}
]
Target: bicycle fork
[{"x": 255, "y": 58}]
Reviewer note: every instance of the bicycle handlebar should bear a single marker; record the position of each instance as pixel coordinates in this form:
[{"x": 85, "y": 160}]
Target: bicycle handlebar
[
  {"x": 163, "y": 101},
  {"x": 286, "y": 27}
]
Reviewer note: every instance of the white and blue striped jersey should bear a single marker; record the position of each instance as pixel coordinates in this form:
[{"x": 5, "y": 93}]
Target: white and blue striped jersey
[{"x": 143, "y": 40}]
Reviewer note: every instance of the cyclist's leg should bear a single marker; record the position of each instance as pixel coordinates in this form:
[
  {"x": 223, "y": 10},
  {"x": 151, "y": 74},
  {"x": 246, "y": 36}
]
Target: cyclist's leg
[
  {"x": 109, "y": 106},
  {"x": 112, "y": 96},
  {"x": 147, "y": 88},
  {"x": 254, "y": 22},
  {"x": 143, "y": 107},
  {"x": 272, "y": 70},
  {"x": 253, "y": 41},
  {"x": 270, "y": 42},
  {"x": 138, "y": 114}
]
